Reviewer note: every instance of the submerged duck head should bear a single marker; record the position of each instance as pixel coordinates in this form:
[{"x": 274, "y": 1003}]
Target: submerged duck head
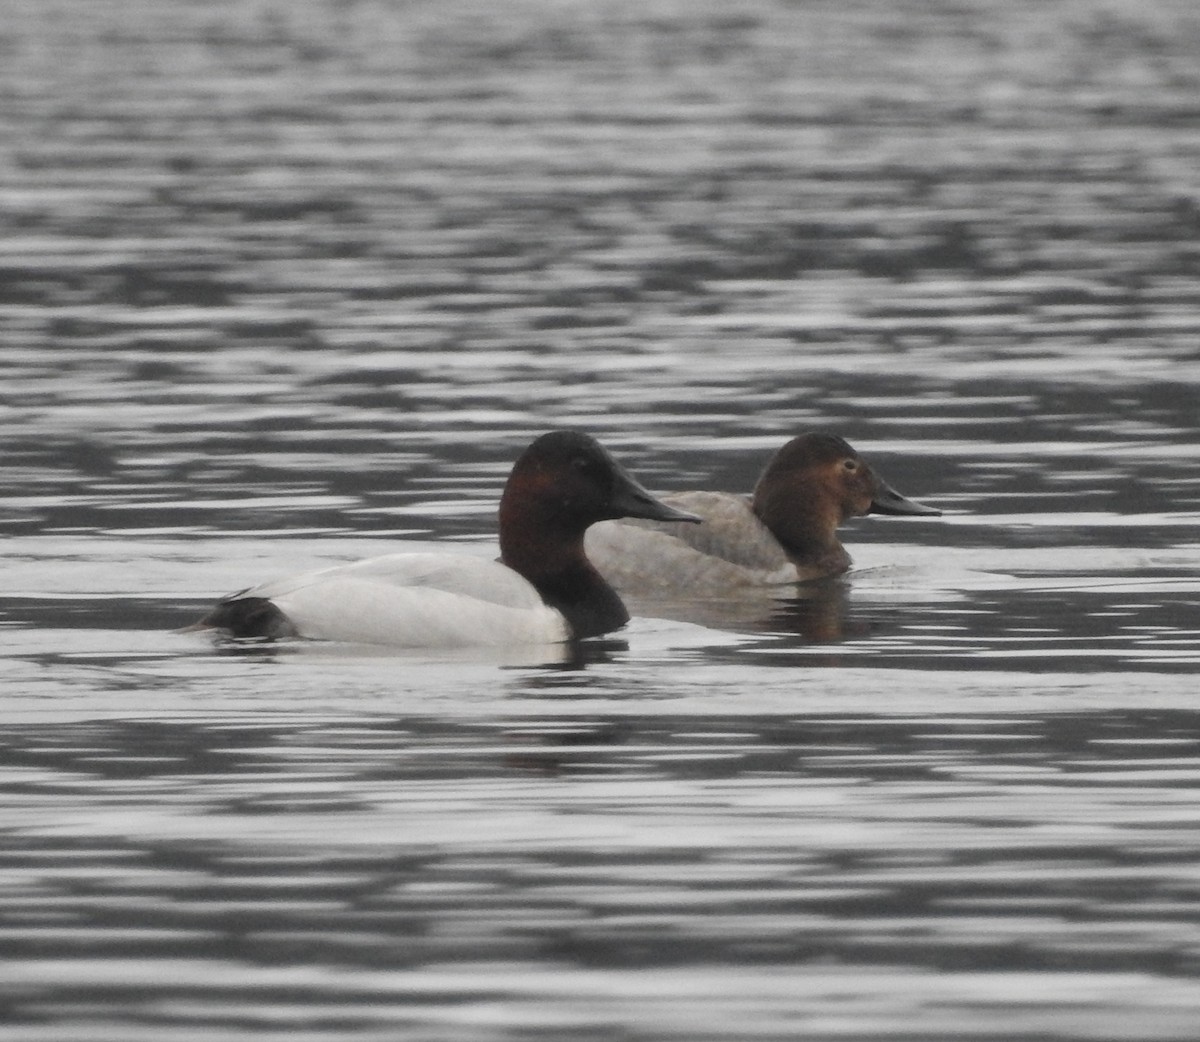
[{"x": 815, "y": 483}]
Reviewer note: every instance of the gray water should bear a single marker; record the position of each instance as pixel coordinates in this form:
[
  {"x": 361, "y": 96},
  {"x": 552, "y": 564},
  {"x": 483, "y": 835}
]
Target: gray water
[{"x": 285, "y": 285}]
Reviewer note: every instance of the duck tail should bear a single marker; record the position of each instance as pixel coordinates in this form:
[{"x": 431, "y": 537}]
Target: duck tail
[{"x": 246, "y": 618}]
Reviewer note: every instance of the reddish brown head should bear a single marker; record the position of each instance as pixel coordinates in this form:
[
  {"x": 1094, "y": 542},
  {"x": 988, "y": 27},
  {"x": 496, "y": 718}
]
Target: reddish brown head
[
  {"x": 811, "y": 486},
  {"x": 564, "y": 482}
]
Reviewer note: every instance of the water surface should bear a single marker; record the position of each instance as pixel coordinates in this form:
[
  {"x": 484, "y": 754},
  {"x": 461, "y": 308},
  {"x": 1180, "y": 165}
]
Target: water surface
[{"x": 288, "y": 286}]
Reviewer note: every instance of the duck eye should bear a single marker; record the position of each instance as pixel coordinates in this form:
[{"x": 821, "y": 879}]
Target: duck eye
[{"x": 850, "y": 464}]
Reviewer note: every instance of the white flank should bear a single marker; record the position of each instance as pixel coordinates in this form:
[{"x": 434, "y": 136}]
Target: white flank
[{"x": 417, "y": 600}]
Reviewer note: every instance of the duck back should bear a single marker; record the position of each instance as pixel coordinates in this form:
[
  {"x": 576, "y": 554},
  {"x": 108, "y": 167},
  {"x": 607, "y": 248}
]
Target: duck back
[
  {"x": 405, "y": 600},
  {"x": 731, "y": 548}
]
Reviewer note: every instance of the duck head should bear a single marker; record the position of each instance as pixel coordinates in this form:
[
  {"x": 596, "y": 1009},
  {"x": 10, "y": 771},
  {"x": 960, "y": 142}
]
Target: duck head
[
  {"x": 816, "y": 482},
  {"x": 564, "y": 482}
]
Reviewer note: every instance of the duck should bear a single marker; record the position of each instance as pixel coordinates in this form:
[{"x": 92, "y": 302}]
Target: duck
[
  {"x": 784, "y": 532},
  {"x": 541, "y": 590}
]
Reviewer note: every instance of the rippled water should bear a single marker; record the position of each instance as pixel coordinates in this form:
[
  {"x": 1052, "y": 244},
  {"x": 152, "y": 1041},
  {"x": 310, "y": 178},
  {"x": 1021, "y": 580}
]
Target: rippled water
[{"x": 283, "y": 285}]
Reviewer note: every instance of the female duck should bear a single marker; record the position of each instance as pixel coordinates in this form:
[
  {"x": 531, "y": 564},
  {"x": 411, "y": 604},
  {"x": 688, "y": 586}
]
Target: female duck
[
  {"x": 786, "y": 532},
  {"x": 542, "y": 590}
]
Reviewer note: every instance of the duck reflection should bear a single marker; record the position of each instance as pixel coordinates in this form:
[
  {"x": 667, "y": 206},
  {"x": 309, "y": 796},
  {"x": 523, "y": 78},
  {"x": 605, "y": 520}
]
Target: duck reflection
[
  {"x": 816, "y": 612},
  {"x": 566, "y": 656}
]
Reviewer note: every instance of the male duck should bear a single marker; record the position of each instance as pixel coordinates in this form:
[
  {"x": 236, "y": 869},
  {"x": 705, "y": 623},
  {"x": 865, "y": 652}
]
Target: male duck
[
  {"x": 786, "y": 532},
  {"x": 542, "y": 590}
]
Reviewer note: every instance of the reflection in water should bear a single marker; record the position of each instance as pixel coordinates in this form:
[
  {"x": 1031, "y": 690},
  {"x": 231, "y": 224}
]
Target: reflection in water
[
  {"x": 814, "y": 612},
  {"x": 570, "y": 655},
  {"x": 524, "y": 858}
]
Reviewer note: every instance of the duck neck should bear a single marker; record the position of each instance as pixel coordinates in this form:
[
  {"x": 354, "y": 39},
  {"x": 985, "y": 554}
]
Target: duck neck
[
  {"x": 807, "y": 534},
  {"x": 553, "y": 560}
]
